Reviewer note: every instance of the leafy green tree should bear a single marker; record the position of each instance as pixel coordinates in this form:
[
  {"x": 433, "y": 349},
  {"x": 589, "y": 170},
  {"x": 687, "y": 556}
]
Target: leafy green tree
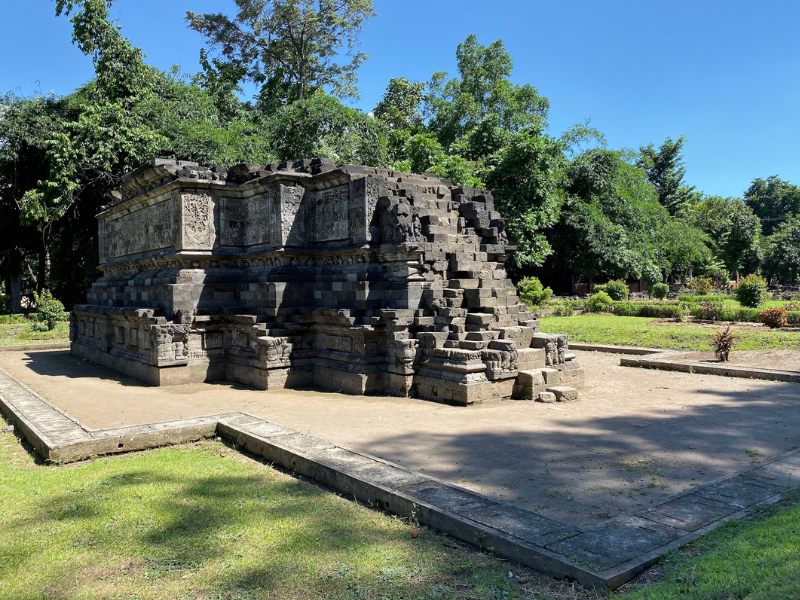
[
  {"x": 527, "y": 187},
  {"x": 323, "y": 126},
  {"x": 684, "y": 248},
  {"x": 734, "y": 231},
  {"x": 773, "y": 200},
  {"x": 609, "y": 220},
  {"x": 61, "y": 156},
  {"x": 665, "y": 170},
  {"x": 290, "y": 48},
  {"x": 783, "y": 251},
  {"x": 453, "y": 107}
]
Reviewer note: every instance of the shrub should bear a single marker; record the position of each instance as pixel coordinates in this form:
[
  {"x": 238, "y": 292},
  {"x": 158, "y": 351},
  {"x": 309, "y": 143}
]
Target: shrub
[
  {"x": 741, "y": 314},
  {"x": 616, "y": 289},
  {"x": 793, "y": 317},
  {"x": 707, "y": 311},
  {"x": 723, "y": 343},
  {"x": 660, "y": 290},
  {"x": 700, "y": 286},
  {"x": 531, "y": 291},
  {"x": 689, "y": 299},
  {"x": 49, "y": 312},
  {"x": 773, "y": 317},
  {"x": 13, "y": 319},
  {"x": 599, "y": 302},
  {"x": 791, "y": 306},
  {"x": 562, "y": 309},
  {"x": 647, "y": 309},
  {"x": 751, "y": 291}
]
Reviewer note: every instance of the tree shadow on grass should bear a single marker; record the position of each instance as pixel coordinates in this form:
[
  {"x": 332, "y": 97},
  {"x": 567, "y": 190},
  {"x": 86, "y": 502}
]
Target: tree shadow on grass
[{"x": 205, "y": 528}]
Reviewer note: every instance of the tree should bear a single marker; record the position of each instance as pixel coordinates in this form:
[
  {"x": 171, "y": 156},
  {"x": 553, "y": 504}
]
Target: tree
[
  {"x": 454, "y": 107},
  {"x": 733, "y": 229},
  {"x": 609, "y": 221},
  {"x": 783, "y": 254},
  {"x": 773, "y": 200},
  {"x": 59, "y": 157},
  {"x": 665, "y": 170},
  {"x": 323, "y": 126},
  {"x": 290, "y": 47},
  {"x": 526, "y": 183}
]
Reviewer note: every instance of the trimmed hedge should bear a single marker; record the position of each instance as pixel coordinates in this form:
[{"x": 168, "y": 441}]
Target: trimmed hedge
[
  {"x": 14, "y": 319},
  {"x": 647, "y": 309},
  {"x": 690, "y": 299}
]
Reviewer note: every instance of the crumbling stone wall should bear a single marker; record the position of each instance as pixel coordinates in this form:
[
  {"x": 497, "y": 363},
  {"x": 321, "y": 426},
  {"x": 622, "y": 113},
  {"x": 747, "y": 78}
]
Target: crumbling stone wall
[{"x": 352, "y": 278}]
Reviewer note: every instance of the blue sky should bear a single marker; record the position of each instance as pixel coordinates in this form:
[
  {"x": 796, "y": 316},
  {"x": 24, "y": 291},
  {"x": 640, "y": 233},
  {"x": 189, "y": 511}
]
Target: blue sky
[{"x": 723, "y": 73}]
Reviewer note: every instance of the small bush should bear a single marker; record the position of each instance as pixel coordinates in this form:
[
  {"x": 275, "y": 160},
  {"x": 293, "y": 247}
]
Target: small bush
[
  {"x": 741, "y": 314},
  {"x": 707, "y": 311},
  {"x": 752, "y": 291},
  {"x": 689, "y": 299},
  {"x": 791, "y": 306},
  {"x": 773, "y": 317},
  {"x": 647, "y": 309},
  {"x": 12, "y": 319},
  {"x": 700, "y": 286},
  {"x": 793, "y": 317},
  {"x": 616, "y": 289},
  {"x": 599, "y": 302},
  {"x": 723, "y": 343},
  {"x": 562, "y": 309},
  {"x": 531, "y": 291},
  {"x": 660, "y": 290},
  {"x": 49, "y": 312}
]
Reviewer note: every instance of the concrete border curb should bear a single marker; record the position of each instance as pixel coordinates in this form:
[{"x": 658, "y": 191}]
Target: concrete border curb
[
  {"x": 28, "y": 347},
  {"x": 604, "y": 556},
  {"x": 608, "y": 348},
  {"x": 666, "y": 361}
]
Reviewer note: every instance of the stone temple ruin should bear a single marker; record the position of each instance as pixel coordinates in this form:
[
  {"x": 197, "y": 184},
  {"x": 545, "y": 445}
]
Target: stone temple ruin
[{"x": 363, "y": 280}]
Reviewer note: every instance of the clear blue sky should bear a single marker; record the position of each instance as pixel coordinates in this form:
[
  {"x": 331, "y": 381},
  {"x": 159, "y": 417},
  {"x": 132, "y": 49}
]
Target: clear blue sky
[{"x": 723, "y": 73}]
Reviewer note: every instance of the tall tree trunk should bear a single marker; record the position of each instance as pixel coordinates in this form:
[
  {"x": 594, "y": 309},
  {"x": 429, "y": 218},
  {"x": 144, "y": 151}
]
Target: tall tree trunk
[
  {"x": 43, "y": 279},
  {"x": 14, "y": 280}
]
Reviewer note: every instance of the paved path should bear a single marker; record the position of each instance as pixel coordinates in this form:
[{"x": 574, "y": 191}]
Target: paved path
[
  {"x": 603, "y": 556},
  {"x": 634, "y": 438}
]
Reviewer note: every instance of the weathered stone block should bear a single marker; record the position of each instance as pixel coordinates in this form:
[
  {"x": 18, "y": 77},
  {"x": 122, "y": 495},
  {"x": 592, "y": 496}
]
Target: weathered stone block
[{"x": 353, "y": 278}]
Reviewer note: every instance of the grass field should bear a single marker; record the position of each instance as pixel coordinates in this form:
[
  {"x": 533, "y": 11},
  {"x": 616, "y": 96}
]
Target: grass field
[
  {"x": 651, "y": 333},
  {"x": 20, "y": 333},
  {"x": 204, "y": 522}
]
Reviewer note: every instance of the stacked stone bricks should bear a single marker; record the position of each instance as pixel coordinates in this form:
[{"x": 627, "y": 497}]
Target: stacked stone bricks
[{"x": 351, "y": 278}]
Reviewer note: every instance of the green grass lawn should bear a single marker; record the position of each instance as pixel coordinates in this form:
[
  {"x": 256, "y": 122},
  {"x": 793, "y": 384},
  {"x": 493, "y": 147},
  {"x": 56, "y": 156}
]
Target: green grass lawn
[
  {"x": 20, "y": 333},
  {"x": 204, "y": 522},
  {"x": 643, "y": 331}
]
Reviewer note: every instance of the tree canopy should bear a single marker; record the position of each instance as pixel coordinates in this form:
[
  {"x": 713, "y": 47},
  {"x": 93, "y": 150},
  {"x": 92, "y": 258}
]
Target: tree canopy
[
  {"x": 290, "y": 48},
  {"x": 571, "y": 204}
]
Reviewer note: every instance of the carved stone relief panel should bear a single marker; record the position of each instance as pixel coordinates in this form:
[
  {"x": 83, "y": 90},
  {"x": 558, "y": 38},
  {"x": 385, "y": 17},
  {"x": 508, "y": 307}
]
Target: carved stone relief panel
[
  {"x": 232, "y": 221},
  {"x": 259, "y": 211},
  {"x": 197, "y": 212},
  {"x": 291, "y": 217},
  {"x": 332, "y": 214},
  {"x": 143, "y": 230},
  {"x": 364, "y": 198}
]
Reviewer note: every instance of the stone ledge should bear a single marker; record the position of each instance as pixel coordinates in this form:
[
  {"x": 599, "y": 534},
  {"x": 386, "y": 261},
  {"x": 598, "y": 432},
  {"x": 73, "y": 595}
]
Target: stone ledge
[
  {"x": 27, "y": 347},
  {"x": 604, "y": 556},
  {"x": 666, "y": 361},
  {"x": 608, "y": 348}
]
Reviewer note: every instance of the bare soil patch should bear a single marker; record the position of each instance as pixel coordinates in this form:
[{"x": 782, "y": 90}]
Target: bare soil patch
[{"x": 635, "y": 437}]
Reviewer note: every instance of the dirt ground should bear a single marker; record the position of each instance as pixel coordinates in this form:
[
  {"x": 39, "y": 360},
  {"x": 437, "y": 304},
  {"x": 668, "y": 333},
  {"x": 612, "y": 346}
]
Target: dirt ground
[
  {"x": 634, "y": 437},
  {"x": 784, "y": 360}
]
